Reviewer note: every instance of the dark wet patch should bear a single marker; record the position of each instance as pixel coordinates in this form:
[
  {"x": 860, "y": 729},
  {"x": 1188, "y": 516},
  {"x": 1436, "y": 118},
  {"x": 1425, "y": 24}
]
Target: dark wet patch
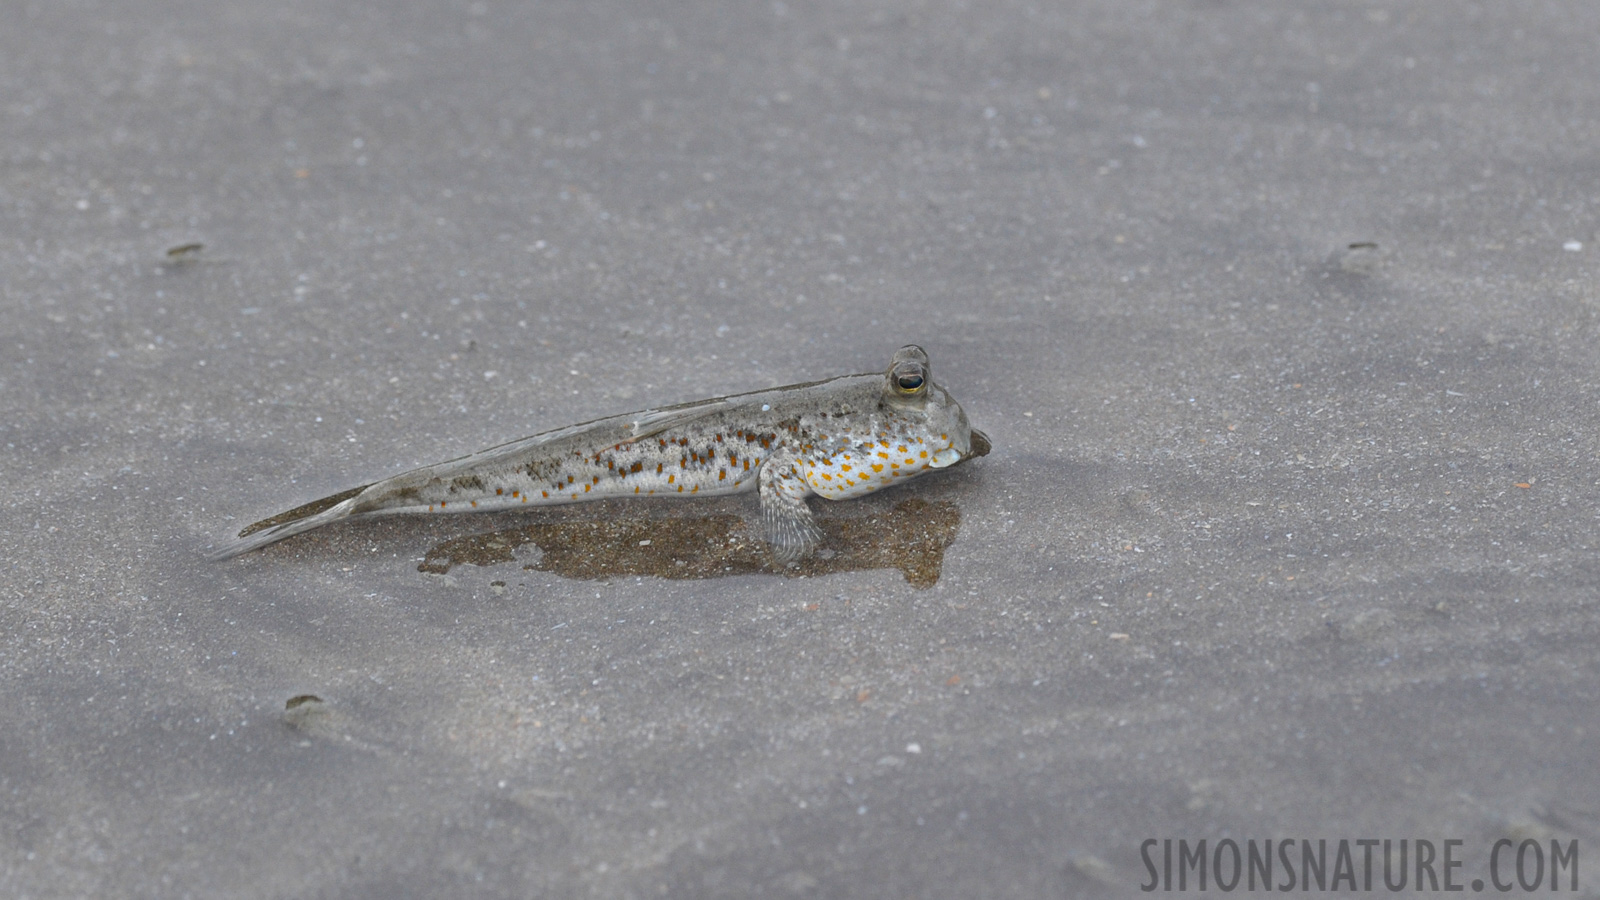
[
  {"x": 301, "y": 512},
  {"x": 910, "y": 537}
]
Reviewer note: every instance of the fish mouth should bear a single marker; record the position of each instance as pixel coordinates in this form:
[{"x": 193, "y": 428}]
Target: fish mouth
[{"x": 978, "y": 445}]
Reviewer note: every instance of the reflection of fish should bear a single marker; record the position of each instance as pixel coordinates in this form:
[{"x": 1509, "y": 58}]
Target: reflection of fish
[
  {"x": 839, "y": 438},
  {"x": 911, "y": 537}
]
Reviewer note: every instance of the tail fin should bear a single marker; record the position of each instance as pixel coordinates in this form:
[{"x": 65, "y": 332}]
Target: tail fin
[{"x": 315, "y": 514}]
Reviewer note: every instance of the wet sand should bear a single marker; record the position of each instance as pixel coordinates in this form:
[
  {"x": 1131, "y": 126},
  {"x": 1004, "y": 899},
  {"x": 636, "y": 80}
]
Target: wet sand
[{"x": 1282, "y": 320}]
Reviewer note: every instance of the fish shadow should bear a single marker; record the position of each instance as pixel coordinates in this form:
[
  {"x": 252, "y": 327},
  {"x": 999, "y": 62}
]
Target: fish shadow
[{"x": 911, "y": 536}]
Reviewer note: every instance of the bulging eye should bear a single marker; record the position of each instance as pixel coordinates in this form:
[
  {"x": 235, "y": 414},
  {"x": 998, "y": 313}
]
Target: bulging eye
[{"x": 908, "y": 371}]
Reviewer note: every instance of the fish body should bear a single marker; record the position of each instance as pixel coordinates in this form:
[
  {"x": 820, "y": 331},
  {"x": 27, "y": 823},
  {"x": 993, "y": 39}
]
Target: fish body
[{"x": 838, "y": 438}]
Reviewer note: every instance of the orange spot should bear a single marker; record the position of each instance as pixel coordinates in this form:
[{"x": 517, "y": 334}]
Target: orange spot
[
  {"x": 680, "y": 488},
  {"x": 826, "y": 477},
  {"x": 499, "y": 491},
  {"x": 910, "y": 461},
  {"x": 1524, "y": 485},
  {"x": 882, "y": 455},
  {"x": 441, "y": 504},
  {"x": 903, "y": 449},
  {"x": 671, "y": 478},
  {"x": 844, "y": 468},
  {"x": 474, "y": 504},
  {"x": 516, "y": 493},
  {"x": 952, "y": 681},
  {"x": 694, "y": 489},
  {"x": 585, "y": 490},
  {"x": 722, "y": 475},
  {"x": 877, "y": 467},
  {"x": 545, "y": 494},
  {"x": 658, "y": 468},
  {"x": 924, "y": 454}
]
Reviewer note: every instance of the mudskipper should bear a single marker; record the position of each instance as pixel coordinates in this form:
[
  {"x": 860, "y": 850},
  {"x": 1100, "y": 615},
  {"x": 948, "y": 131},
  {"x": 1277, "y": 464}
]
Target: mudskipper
[{"x": 838, "y": 438}]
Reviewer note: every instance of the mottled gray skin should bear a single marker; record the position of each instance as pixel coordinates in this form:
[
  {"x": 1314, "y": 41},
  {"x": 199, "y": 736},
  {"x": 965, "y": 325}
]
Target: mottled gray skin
[{"x": 839, "y": 438}]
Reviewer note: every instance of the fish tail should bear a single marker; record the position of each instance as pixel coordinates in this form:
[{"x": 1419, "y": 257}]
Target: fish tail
[{"x": 315, "y": 514}]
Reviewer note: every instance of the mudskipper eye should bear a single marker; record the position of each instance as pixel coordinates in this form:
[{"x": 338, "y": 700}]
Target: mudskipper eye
[{"x": 910, "y": 383}]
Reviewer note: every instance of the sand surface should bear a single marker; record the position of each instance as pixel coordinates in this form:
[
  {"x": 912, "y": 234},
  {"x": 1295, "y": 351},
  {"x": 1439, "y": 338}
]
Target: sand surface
[{"x": 1282, "y": 319}]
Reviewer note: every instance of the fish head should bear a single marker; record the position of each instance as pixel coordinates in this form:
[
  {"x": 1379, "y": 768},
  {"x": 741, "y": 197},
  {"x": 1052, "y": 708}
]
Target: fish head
[{"x": 909, "y": 389}]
